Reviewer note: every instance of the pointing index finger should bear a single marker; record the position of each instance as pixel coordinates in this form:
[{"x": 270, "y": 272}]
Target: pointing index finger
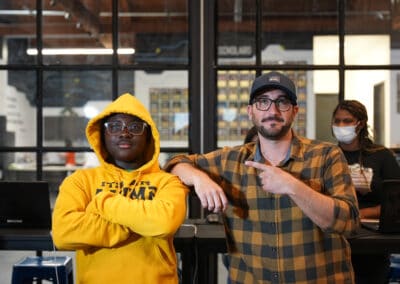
[{"x": 256, "y": 165}]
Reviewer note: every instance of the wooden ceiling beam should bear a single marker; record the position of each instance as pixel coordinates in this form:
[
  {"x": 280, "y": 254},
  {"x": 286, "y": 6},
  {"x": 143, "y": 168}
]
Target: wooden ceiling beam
[{"x": 87, "y": 19}]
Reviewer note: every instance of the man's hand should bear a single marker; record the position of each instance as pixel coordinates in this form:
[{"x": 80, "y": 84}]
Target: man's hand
[
  {"x": 211, "y": 195},
  {"x": 209, "y": 192},
  {"x": 273, "y": 179},
  {"x": 318, "y": 207}
]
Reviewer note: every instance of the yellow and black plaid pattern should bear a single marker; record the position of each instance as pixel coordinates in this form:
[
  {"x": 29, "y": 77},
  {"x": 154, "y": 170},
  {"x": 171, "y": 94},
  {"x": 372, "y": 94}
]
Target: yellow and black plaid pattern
[{"x": 269, "y": 238}]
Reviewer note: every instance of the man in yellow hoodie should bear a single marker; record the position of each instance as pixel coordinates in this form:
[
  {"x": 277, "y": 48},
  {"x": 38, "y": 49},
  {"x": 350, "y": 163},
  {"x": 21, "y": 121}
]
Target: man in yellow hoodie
[{"x": 121, "y": 216}]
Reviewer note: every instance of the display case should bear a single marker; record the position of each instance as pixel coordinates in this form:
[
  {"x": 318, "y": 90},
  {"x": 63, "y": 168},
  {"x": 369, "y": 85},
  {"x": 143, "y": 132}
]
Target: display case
[{"x": 170, "y": 111}]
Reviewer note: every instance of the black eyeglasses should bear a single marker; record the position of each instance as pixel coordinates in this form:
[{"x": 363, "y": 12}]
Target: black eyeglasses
[
  {"x": 117, "y": 127},
  {"x": 263, "y": 103}
]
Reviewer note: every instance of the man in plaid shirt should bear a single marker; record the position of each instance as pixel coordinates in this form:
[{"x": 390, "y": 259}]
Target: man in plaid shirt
[{"x": 288, "y": 202}]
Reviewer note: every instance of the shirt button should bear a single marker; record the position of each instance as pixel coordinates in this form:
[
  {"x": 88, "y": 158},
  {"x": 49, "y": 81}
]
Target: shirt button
[{"x": 274, "y": 251}]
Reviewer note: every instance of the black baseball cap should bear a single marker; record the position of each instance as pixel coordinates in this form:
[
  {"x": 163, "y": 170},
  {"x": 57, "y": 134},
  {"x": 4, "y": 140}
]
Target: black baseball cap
[{"x": 273, "y": 80}]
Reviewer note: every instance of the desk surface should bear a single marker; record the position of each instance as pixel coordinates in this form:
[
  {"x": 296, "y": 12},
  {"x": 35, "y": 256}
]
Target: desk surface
[
  {"x": 365, "y": 241},
  {"x": 212, "y": 234},
  {"x": 39, "y": 240}
]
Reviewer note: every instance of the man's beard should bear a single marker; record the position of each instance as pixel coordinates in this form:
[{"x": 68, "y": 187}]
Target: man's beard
[{"x": 274, "y": 134}]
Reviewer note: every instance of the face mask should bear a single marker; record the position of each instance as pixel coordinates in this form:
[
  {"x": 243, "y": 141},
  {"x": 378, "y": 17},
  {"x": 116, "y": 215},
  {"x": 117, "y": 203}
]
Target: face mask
[{"x": 345, "y": 134}]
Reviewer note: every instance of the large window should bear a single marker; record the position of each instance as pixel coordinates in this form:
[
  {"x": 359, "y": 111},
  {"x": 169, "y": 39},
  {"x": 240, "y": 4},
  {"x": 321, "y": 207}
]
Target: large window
[
  {"x": 192, "y": 64},
  {"x": 333, "y": 50},
  {"x": 63, "y": 61}
]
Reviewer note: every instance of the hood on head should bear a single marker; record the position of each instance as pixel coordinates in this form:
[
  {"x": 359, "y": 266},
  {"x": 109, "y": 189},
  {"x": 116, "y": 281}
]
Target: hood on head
[{"x": 127, "y": 104}]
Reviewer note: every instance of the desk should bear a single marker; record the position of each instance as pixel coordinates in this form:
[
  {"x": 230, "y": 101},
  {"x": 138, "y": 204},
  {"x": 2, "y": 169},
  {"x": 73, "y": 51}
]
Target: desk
[
  {"x": 365, "y": 241},
  {"x": 210, "y": 240},
  {"x": 369, "y": 242},
  {"x": 35, "y": 240},
  {"x": 183, "y": 243},
  {"x": 39, "y": 241}
]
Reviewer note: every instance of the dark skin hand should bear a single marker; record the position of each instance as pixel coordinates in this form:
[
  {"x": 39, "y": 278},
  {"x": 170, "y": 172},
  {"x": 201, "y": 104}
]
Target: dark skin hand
[{"x": 126, "y": 149}]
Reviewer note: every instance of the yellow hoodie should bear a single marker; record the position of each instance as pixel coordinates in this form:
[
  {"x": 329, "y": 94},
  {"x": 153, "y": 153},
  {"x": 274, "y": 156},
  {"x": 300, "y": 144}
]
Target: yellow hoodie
[{"x": 121, "y": 223}]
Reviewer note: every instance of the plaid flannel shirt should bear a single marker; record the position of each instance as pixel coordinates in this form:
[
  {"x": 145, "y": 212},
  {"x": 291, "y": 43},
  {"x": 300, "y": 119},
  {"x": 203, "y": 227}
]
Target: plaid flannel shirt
[{"x": 269, "y": 238}]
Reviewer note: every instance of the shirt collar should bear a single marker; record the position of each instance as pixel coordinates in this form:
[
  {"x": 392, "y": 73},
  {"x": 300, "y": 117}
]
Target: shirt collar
[{"x": 259, "y": 158}]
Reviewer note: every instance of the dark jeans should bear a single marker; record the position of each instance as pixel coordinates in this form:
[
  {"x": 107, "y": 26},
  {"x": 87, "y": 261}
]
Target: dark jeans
[{"x": 371, "y": 269}]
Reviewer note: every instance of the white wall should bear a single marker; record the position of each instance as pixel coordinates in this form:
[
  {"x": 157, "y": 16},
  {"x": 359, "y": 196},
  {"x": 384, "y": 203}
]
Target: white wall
[
  {"x": 394, "y": 115},
  {"x": 21, "y": 116}
]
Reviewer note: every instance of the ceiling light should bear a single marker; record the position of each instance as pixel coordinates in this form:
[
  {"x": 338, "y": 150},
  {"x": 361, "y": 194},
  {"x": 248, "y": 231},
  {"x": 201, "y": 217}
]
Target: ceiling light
[{"x": 79, "y": 51}]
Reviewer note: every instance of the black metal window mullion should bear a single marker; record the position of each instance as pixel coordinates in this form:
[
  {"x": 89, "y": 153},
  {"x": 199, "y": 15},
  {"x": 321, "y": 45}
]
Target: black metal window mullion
[
  {"x": 258, "y": 35},
  {"x": 115, "y": 49},
  {"x": 194, "y": 84},
  {"x": 341, "y": 28},
  {"x": 209, "y": 77},
  {"x": 39, "y": 91}
]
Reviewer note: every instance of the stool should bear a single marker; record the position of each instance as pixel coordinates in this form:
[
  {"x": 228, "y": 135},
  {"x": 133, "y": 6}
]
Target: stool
[{"x": 53, "y": 268}]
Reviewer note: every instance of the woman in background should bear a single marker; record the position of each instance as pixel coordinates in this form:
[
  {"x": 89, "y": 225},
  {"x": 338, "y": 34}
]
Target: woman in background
[{"x": 370, "y": 165}]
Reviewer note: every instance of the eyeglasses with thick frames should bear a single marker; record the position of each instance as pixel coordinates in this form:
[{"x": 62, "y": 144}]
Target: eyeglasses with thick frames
[
  {"x": 117, "y": 127},
  {"x": 264, "y": 103}
]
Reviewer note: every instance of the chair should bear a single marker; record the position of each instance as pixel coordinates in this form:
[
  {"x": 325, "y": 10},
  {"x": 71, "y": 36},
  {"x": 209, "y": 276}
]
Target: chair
[{"x": 57, "y": 269}]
